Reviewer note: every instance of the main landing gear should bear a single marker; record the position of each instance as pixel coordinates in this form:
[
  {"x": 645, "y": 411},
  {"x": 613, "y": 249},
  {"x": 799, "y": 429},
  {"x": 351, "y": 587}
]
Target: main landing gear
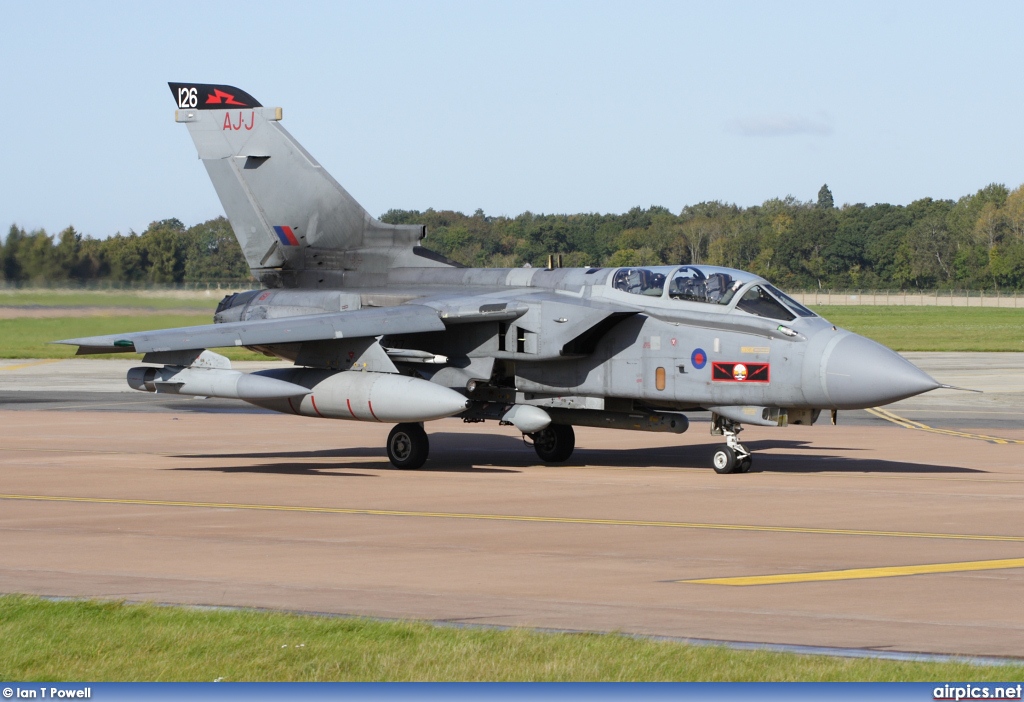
[
  {"x": 733, "y": 457},
  {"x": 554, "y": 444},
  {"x": 408, "y": 446}
]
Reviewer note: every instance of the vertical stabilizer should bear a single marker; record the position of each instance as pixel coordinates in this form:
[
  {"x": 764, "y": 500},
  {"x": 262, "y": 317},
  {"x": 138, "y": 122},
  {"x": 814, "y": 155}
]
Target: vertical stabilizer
[{"x": 296, "y": 225}]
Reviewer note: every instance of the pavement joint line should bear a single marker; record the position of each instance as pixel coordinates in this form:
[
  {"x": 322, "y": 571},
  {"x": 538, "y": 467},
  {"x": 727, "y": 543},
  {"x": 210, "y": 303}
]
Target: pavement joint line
[
  {"x": 67, "y": 408},
  {"x": 517, "y": 518},
  {"x": 779, "y": 474},
  {"x": 652, "y": 469},
  {"x": 342, "y": 461},
  {"x": 118, "y": 405},
  {"x": 87, "y": 451},
  {"x": 919, "y": 426},
  {"x": 30, "y": 364},
  {"x": 958, "y": 412},
  {"x": 862, "y": 573}
]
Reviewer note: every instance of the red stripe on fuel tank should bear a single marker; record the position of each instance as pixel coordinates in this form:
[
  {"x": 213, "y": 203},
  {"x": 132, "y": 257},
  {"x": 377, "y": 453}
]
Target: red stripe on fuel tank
[
  {"x": 370, "y": 405},
  {"x": 313, "y": 400},
  {"x": 349, "y": 403}
]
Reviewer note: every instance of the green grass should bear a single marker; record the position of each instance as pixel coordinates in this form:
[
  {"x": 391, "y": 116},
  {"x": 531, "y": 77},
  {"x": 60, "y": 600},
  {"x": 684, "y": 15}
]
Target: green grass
[
  {"x": 933, "y": 328},
  {"x": 146, "y": 299},
  {"x": 69, "y": 641},
  {"x": 29, "y": 337}
]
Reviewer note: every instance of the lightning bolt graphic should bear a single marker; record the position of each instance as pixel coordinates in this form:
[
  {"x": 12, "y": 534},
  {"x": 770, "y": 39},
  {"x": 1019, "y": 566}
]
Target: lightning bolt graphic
[{"x": 219, "y": 96}]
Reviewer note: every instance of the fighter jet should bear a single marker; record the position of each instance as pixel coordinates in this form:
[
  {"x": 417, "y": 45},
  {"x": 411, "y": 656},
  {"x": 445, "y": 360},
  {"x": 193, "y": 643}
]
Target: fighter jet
[{"x": 381, "y": 329}]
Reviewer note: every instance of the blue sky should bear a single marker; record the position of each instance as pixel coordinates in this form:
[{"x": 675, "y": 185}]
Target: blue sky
[{"x": 540, "y": 106}]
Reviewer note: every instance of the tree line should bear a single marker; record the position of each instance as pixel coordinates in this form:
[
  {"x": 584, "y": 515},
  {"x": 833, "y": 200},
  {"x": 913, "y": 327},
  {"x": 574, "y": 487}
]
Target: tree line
[
  {"x": 166, "y": 253},
  {"x": 971, "y": 243},
  {"x": 974, "y": 242}
]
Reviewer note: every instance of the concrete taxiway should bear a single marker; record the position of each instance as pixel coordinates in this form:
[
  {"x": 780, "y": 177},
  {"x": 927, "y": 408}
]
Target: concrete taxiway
[{"x": 896, "y": 531}]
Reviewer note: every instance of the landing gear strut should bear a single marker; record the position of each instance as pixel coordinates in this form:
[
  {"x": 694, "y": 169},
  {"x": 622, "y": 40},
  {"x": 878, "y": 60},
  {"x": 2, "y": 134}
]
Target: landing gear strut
[
  {"x": 733, "y": 457},
  {"x": 408, "y": 446},
  {"x": 554, "y": 444}
]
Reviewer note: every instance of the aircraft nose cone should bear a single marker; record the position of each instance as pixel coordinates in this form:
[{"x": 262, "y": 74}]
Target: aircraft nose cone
[{"x": 861, "y": 373}]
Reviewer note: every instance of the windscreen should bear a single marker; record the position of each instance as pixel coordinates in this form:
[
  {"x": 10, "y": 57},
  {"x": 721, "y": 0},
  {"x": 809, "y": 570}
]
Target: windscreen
[
  {"x": 757, "y": 300},
  {"x": 789, "y": 302}
]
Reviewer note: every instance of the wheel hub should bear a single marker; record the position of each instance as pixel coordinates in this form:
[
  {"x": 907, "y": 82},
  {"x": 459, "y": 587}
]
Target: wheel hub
[{"x": 401, "y": 446}]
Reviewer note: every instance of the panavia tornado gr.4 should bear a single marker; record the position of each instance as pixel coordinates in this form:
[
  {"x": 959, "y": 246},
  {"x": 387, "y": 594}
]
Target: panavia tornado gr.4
[{"x": 381, "y": 329}]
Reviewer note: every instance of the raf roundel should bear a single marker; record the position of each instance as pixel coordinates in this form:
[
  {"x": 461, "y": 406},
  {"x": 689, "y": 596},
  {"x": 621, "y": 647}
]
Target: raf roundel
[{"x": 698, "y": 358}]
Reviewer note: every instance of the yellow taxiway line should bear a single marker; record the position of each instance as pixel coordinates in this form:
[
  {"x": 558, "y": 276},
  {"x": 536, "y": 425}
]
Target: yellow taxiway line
[
  {"x": 30, "y": 364},
  {"x": 862, "y": 573},
  {"x": 516, "y": 518},
  {"x": 911, "y": 424}
]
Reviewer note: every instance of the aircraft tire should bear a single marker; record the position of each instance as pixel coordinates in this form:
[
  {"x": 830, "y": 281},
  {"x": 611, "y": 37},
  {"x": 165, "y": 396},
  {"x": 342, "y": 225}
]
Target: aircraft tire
[
  {"x": 554, "y": 444},
  {"x": 725, "y": 461},
  {"x": 408, "y": 446},
  {"x": 745, "y": 464}
]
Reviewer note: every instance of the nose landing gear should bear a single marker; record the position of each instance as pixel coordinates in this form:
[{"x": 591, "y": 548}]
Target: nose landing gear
[{"x": 734, "y": 456}]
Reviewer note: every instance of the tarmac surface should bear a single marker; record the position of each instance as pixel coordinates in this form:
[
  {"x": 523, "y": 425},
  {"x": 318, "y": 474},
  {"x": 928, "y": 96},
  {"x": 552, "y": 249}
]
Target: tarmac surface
[{"x": 898, "y": 530}]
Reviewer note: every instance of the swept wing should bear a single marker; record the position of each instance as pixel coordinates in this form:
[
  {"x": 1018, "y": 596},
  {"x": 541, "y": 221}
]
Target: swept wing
[{"x": 404, "y": 319}]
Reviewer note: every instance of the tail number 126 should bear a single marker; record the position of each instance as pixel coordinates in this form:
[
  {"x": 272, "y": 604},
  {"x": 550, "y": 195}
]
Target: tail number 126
[{"x": 187, "y": 97}]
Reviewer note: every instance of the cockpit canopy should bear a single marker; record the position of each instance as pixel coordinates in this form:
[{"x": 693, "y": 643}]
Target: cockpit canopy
[
  {"x": 711, "y": 285},
  {"x": 640, "y": 281}
]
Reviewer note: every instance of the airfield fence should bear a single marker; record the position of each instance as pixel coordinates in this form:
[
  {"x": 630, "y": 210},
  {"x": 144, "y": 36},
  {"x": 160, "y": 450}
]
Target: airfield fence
[
  {"x": 878, "y": 298},
  {"x": 935, "y": 298},
  {"x": 118, "y": 286},
  {"x": 184, "y": 291}
]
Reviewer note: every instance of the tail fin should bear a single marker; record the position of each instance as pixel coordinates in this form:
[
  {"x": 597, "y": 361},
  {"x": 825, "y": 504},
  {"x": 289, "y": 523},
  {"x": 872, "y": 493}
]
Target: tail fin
[{"x": 296, "y": 225}]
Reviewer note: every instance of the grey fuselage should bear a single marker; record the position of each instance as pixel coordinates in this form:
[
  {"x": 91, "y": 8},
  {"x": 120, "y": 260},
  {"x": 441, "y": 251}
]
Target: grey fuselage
[{"x": 663, "y": 351}]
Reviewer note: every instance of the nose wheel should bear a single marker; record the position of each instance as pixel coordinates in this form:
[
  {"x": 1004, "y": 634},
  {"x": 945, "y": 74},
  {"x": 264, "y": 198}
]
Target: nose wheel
[{"x": 733, "y": 457}]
